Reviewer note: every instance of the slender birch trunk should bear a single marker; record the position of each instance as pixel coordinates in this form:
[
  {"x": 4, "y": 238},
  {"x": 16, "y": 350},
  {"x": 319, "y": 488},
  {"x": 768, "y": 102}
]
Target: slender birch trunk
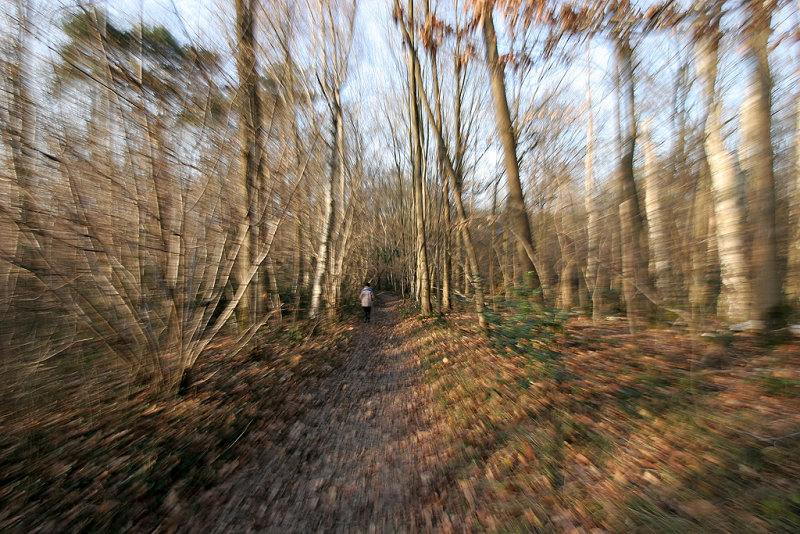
[
  {"x": 656, "y": 218},
  {"x": 592, "y": 219},
  {"x": 323, "y": 253}
]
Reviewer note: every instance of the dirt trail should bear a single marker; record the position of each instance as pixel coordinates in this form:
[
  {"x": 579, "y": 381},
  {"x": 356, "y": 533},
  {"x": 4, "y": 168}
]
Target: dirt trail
[{"x": 361, "y": 456}]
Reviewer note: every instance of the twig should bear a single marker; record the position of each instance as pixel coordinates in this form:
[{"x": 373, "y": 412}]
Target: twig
[
  {"x": 231, "y": 444},
  {"x": 774, "y": 440}
]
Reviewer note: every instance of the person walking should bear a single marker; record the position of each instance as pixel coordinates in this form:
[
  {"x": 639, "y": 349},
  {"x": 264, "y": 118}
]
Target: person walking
[{"x": 367, "y": 297}]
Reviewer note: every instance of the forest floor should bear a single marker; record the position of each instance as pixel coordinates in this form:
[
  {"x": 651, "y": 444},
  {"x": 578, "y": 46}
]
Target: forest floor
[{"x": 411, "y": 424}]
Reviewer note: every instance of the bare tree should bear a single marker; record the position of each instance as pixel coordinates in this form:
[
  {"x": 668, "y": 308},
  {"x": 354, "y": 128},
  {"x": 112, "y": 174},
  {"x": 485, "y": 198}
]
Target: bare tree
[
  {"x": 334, "y": 47},
  {"x": 594, "y": 269},
  {"x": 728, "y": 216},
  {"x": 758, "y": 163},
  {"x": 505, "y": 128},
  {"x": 250, "y": 132}
]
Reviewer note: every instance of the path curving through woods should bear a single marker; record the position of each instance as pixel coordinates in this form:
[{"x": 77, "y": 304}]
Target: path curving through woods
[{"x": 360, "y": 457}]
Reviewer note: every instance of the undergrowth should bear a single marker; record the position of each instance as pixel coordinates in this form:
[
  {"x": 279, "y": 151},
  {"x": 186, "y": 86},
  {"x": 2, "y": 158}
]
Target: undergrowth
[
  {"x": 132, "y": 460},
  {"x": 566, "y": 425}
]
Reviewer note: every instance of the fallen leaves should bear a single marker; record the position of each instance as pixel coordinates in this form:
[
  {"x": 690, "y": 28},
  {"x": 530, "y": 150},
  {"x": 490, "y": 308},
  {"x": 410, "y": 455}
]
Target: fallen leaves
[
  {"x": 137, "y": 458},
  {"x": 608, "y": 434},
  {"x": 631, "y": 425}
]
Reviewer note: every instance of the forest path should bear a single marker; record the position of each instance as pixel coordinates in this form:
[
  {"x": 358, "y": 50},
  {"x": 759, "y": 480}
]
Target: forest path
[{"x": 359, "y": 458}]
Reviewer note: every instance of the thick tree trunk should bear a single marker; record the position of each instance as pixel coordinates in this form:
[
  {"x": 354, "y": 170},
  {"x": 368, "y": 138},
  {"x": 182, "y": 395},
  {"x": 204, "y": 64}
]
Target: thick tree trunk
[
  {"x": 447, "y": 260},
  {"x": 701, "y": 233},
  {"x": 734, "y": 302},
  {"x": 505, "y": 128},
  {"x": 567, "y": 291},
  {"x": 249, "y": 155},
  {"x": 793, "y": 267},
  {"x": 569, "y": 266},
  {"x": 682, "y": 176},
  {"x": 634, "y": 264},
  {"x": 758, "y": 164}
]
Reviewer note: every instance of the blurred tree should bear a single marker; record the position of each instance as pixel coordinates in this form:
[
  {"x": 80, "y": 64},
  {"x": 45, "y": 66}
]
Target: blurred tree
[
  {"x": 736, "y": 292},
  {"x": 334, "y": 48},
  {"x": 516, "y": 200},
  {"x": 251, "y": 143},
  {"x": 758, "y": 163},
  {"x": 453, "y": 169}
]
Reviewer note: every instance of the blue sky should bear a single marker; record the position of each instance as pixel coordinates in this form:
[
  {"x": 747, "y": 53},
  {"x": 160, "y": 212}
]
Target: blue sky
[{"x": 375, "y": 70}]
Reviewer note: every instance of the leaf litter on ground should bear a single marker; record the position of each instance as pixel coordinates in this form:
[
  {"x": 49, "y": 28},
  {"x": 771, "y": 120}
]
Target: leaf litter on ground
[
  {"x": 617, "y": 433},
  {"x": 580, "y": 428}
]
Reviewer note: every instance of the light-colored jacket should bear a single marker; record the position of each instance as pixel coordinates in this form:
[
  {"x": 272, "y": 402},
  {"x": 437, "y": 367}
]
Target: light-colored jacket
[{"x": 367, "y": 297}]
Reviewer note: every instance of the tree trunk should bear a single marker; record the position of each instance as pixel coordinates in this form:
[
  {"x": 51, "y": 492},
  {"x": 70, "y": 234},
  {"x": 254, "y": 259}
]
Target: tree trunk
[
  {"x": 758, "y": 164},
  {"x": 634, "y": 265},
  {"x": 417, "y": 178},
  {"x": 274, "y": 293},
  {"x": 793, "y": 267},
  {"x": 657, "y": 223},
  {"x": 323, "y": 254},
  {"x": 505, "y": 128},
  {"x": 734, "y": 298},
  {"x": 446, "y": 179},
  {"x": 447, "y": 260},
  {"x": 701, "y": 233},
  {"x": 249, "y": 155},
  {"x": 298, "y": 267},
  {"x": 592, "y": 219}
]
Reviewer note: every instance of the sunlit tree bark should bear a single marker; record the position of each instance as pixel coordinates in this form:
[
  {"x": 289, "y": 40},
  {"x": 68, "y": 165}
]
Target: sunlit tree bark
[
  {"x": 734, "y": 299},
  {"x": 250, "y": 148},
  {"x": 453, "y": 167},
  {"x": 793, "y": 268},
  {"x": 656, "y": 217},
  {"x": 634, "y": 264},
  {"x": 593, "y": 265},
  {"x": 337, "y": 137},
  {"x": 758, "y": 163},
  {"x": 421, "y": 252},
  {"x": 516, "y": 201},
  {"x": 334, "y": 50}
]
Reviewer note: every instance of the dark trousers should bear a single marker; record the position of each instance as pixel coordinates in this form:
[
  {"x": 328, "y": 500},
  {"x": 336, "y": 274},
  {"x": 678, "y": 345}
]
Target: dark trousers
[{"x": 367, "y": 311}]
